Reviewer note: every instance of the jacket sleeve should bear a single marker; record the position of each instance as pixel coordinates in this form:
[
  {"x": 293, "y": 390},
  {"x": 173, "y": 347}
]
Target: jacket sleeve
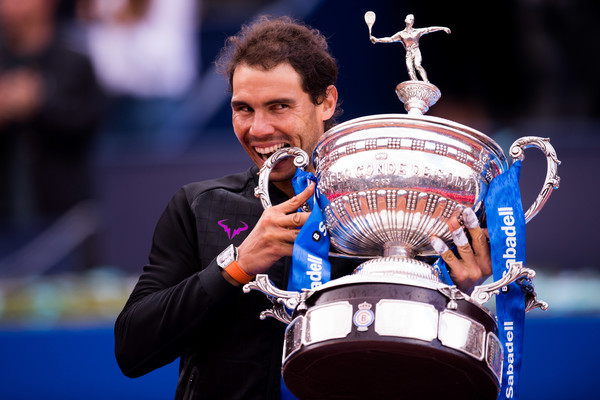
[{"x": 173, "y": 297}]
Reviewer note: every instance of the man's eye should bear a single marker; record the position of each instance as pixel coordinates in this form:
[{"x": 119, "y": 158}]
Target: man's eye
[
  {"x": 242, "y": 109},
  {"x": 280, "y": 106}
]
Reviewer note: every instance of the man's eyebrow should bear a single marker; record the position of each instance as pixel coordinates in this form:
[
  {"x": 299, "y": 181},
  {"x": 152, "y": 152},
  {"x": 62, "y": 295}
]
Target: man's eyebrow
[
  {"x": 282, "y": 100},
  {"x": 238, "y": 103}
]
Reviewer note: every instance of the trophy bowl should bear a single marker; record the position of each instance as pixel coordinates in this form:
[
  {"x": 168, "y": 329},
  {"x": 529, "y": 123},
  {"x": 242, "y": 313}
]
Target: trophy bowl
[{"x": 393, "y": 181}]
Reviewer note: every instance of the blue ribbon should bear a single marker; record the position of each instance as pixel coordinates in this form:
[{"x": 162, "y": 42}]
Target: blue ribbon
[
  {"x": 442, "y": 270},
  {"x": 310, "y": 258},
  {"x": 506, "y": 227}
]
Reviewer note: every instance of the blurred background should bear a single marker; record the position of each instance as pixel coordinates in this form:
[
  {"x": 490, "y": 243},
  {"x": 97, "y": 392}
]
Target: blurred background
[{"x": 107, "y": 107}]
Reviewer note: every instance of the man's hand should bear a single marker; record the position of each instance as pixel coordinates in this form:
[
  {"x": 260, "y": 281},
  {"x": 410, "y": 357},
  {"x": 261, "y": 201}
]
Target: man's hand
[
  {"x": 274, "y": 234},
  {"x": 475, "y": 264}
]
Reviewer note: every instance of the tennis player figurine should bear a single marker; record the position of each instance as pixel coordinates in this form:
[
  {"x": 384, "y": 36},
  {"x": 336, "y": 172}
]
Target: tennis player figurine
[
  {"x": 417, "y": 95},
  {"x": 409, "y": 37}
]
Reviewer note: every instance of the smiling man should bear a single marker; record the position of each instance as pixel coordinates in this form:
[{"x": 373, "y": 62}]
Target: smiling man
[
  {"x": 188, "y": 302},
  {"x": 271, "y": 110}
]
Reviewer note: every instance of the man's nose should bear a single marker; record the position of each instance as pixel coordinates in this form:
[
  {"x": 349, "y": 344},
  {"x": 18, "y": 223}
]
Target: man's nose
[{"x": 261, "y": 124}]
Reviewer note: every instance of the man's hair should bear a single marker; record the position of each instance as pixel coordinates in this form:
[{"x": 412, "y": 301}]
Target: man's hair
[{"x": 268, "y": 42}]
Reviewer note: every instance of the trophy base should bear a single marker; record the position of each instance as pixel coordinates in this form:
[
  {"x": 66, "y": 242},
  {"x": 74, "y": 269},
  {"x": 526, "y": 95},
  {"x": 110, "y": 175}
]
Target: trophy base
[
  {"x": 404, "y": 370},
  {"x": 391, "y": 341},
  {"x": 417, "y": 96}
]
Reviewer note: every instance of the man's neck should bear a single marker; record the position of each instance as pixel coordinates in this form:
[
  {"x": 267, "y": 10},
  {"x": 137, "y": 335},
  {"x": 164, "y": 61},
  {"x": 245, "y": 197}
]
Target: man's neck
[{"x": 286, "y": 187}]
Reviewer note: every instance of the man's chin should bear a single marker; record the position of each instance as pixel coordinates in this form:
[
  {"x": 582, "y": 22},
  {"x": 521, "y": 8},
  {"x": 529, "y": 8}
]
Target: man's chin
[{"x": 282, "y": 176}]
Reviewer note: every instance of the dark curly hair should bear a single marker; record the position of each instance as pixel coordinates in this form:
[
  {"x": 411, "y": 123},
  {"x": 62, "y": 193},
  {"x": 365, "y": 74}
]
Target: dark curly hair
[{"x": 268, "y": 42}]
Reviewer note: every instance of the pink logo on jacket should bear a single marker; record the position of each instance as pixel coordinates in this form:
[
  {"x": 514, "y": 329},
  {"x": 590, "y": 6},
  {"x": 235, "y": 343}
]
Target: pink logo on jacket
[{"x": 227, "y": 229}]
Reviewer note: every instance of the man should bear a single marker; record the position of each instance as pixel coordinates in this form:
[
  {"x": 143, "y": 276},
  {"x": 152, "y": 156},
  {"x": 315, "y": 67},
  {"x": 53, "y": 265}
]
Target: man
[
  {"x": 185, "y": 304},
  {"x": 409, "y": 37}
]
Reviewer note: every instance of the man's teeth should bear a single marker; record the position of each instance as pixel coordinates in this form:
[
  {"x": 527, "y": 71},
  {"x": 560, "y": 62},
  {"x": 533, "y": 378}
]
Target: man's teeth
[
  {"x": 270, "y": 149},
  {"x": 265, "y": 152}
]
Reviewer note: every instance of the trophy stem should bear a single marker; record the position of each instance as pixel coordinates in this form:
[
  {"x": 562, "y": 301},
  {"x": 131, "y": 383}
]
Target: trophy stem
[
  {"x": 417, "y": 96},
  {"x": 391, "y": 249},
  {"x": 397, "y": 266}
]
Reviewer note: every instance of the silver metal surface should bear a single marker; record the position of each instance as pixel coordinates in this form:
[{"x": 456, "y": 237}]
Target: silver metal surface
[
  {"x": 552, "y": 179},
  {"x": 294, "y": 337},
  {"x": 329, "y": 321},
  {"x": 284, "y": 302},
  {"x": 482, "y": 294},
  {"x": 406, "y": 319},
  {"x": 370, "y": 20},
  {"x": 453, "y": 294},
  {"x": 397, "y": 179},
  {"x": 462, "y": 333},
  {"x": 494, "y": 355},
  {"x": 262, "y": 190},
  {"x": 417, "y": 96},
  {"x": 409, "y": 37},
  {"x": 392, "y": 181}
]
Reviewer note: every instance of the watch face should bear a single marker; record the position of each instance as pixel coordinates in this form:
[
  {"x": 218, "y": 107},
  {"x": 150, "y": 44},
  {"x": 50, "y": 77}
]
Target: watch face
[{"x": 226, "y": 257}]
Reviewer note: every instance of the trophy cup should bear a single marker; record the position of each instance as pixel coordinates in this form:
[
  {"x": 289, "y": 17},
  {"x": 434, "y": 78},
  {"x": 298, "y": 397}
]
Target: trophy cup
[{"x": 393, "y": 329}]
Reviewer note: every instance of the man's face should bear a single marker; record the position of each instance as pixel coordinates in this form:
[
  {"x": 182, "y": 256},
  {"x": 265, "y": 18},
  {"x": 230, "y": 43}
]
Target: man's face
[{"x": 270, "y": 110}]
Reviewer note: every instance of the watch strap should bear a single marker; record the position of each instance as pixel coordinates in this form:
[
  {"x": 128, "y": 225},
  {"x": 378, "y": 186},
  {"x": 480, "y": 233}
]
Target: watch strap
[{"x": 237, "y": 273}]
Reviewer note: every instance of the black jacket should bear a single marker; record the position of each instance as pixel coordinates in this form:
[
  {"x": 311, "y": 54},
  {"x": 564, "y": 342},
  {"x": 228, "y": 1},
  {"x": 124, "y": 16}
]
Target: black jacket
[{"x": 183, "y": 307}]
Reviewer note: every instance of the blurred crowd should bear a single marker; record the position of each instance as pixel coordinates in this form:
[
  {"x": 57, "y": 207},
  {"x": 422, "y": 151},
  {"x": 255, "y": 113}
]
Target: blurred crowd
[{"x": 71, "y": 71}]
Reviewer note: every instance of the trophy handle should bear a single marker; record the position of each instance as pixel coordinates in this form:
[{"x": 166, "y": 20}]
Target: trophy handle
[
  {"x": 517, "y": 271},
  {"x": 300, "y": 161},
  {"x": 284, "y": 302},
  {"x": 552, "y": 179},
  {"x": 262, "y": 190}
]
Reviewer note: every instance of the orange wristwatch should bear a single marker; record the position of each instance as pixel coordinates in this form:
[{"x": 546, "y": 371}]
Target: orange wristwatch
[{"x": 227, "y": 260}]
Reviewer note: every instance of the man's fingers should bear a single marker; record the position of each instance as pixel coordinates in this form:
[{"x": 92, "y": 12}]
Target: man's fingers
[
  {"x": 479, "y": 242},
  {"x": 470, "y": 219},
  {"x": 464, "y": 270},
  {"x": 296, "y": 202},
  {"x": 456, "y": 267},
  {"x": 274, "y": 218},
  {"x": 444, "y": 251},
  {"x": 297, "y": 219},
  {"x": 463, "y": 246},
  {"x": 472, "y": 263},
  {"x": 479, "y": 237},
  {"x": 460, "y": 238},
  {"x": 460, "y": 274}
]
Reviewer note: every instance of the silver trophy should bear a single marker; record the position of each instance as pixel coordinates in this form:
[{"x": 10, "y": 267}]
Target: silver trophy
[{"x": 392, "y": 327}]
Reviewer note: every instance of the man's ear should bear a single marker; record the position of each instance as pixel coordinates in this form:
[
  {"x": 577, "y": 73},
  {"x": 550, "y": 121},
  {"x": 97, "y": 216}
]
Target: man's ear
[{"x": 330, "y": 102}]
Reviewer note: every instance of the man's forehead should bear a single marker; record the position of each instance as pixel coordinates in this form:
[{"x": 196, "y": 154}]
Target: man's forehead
[
  {"x": 282, "y": 77},
  {"x": 281, "y": 68}
]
